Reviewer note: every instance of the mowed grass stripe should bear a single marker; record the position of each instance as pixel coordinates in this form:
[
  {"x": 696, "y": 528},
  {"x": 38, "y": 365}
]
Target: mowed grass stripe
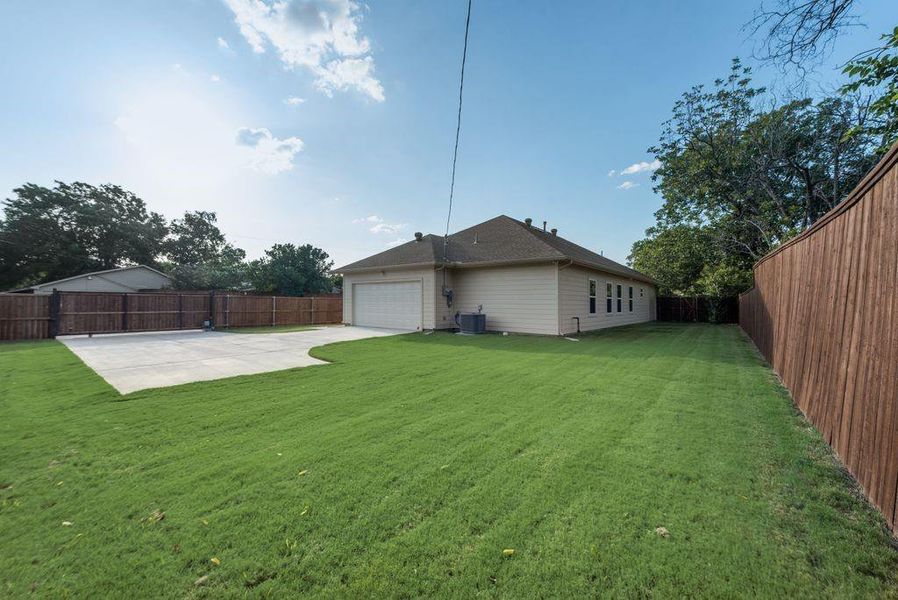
[{"x": 425, "y": 457}]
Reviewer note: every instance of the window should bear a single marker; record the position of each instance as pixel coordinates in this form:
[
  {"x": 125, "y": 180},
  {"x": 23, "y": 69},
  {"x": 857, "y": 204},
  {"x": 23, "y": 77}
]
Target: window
[
  {"x": 641, "y": 290},
  {"x": 592, "y": 296},
  {"x": 620, "y": 290},
  {"x": 631, "y": 298},
  {"x": 608, "y": 297}
]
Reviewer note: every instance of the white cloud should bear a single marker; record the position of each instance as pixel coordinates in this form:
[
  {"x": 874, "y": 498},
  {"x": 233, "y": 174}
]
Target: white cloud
[
  {"x": 612, "y": 173},
  {"x": 294, "y": 101},
  {"x": 641, "y": 167},
  {"x": 223, "y": 44},
  {"x": 319, "y": 35},
  {"x": 268, "y": 154},
  {"x": 378, "y": 225},
  {"x": 627, "y": 185},
  {"x": 388, "y": 228},
  {"x": 214, "y": 78},
  {"x": 343, "y": 74},
  {"x": 396, "y": 242}
]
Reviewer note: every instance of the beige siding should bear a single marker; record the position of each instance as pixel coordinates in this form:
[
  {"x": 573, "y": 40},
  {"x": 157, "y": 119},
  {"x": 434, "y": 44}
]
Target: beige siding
[
  {"x": 517, "y": 299},
  {"x": 425, "y": 276},
  {"x": 573, "y": 285},
  {"x": 443, "y": 315}
]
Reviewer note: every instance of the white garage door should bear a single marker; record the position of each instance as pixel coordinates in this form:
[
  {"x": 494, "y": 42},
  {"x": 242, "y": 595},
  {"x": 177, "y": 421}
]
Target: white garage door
[{"x": 391, "y": 305}]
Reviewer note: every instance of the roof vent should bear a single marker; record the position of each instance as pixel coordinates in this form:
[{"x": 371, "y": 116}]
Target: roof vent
[
  {"x": 418, "y": 236},
  {"x": 554, "y": 231},
  {"x": 528, "y": 221},
  {"x": 544, "y": 225}
]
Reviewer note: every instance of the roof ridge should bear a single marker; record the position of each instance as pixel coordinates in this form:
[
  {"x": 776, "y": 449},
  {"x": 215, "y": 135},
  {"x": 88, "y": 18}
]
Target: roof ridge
[{"x": 530, "y": 229}]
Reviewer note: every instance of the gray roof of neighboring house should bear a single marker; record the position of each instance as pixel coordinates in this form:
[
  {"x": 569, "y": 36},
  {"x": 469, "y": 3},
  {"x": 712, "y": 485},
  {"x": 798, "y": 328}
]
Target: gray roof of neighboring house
[
  {"x": 92, "y": 273},
  {"x": 501, "y": 240}
]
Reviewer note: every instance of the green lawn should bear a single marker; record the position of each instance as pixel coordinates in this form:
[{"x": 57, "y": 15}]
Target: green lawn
[
  {"x": 270, "y": 329},
  {"x": 405, "y": 469}
]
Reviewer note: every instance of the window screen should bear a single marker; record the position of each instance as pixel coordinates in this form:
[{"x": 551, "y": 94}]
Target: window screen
[{"x": 592, "y": 296}]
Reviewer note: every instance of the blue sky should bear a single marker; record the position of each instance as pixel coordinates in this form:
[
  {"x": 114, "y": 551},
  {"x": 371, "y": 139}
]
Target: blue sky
[{"x": 332, "y": 123}]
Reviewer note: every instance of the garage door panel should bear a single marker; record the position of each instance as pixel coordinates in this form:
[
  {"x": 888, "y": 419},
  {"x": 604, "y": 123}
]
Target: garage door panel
[{"x": 392, "y": 305}]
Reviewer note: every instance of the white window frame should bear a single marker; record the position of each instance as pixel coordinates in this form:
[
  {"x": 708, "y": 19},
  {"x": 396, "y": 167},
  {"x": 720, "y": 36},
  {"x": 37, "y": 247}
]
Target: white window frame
[
  {"x": 632, "y": 298},
  {"x": 620, "y": 298},
  {"x": 592, "y": 296},
  {"x": 609, "y": 308}
]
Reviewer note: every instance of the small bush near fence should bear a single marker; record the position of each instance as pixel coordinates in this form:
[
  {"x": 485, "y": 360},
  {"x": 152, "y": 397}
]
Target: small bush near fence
[
  {"x": 31, "y": 317},
  {"x": 698, "y": 309}
]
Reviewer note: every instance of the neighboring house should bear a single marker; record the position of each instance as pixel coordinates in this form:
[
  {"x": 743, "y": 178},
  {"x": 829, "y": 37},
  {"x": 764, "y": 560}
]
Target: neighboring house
[
  {"x": 127, "y": 279},
  {"x": 526, "y": 279}
]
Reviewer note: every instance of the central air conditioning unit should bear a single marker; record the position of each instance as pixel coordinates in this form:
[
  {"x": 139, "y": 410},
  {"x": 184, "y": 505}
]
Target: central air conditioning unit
[{"x": 471, "y": 323}]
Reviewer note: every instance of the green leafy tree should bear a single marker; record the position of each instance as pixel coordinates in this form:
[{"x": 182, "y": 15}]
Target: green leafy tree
[
  {"x": 674, "y": 257},
  {"x": 292, "y": 270},
  {"x": 195, "y": 239},
  {"x": 876, "y": 71},
  {"x": 51, "y": 233},
  {"x": 749, "y": 174},
  {"x": 199, "y": 256}
]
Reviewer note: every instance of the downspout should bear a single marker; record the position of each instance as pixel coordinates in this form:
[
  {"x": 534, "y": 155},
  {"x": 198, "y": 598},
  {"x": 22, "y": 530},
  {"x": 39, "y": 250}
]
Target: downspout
[{"x": 558, "y": 268}]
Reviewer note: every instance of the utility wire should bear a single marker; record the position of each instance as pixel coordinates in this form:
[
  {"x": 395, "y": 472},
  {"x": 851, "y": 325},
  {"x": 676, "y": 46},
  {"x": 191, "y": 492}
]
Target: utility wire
[{"x": 461, "y": 89}]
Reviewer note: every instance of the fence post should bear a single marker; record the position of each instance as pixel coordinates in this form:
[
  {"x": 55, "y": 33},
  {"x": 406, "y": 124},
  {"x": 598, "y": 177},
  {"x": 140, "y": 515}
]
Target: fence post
[
  {"x": 54, "y": 313},
  {"x": 274, "y": 305},
  {"x": 124, "y": 312},
  {"x": 180, "y": 311},
  {"x": 211, "y": 309}
]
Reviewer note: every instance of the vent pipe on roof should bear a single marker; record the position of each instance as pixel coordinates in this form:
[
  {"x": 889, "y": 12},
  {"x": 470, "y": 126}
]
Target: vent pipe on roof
[
  {"x": 544, "y": 225},
  {"x": 528, "y": 221},
  {"x": 418, "y": 236},
  {"x": 554, "y": 231}
]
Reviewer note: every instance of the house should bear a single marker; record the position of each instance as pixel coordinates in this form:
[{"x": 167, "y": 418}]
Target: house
[
  {"x": 127, "y": 279},
  {"x": 525, "y": 279}
]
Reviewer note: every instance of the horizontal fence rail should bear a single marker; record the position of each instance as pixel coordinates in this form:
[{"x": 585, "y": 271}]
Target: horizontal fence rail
[
  {"x": 31, "y": 317},
  {"x": 824, "y": 313}
]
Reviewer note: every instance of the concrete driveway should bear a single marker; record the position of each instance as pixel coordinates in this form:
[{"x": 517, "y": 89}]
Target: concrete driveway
[{"x": 137, "y": 361}]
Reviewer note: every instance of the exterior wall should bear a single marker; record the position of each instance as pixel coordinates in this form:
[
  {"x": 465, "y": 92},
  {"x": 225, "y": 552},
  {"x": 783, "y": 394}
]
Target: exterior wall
[
  {"x": 521, "y": 299},
  {"x": 426, "y": 276},
  {"x": 444, "y": 316},
  {"x": 573, "y": 285},
  {"x": 130, "y": 280}
]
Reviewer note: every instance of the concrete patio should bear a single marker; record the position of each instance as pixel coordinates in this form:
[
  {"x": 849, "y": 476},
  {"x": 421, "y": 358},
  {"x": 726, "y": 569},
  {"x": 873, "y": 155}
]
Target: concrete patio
[{"x": 137, "y": 361}]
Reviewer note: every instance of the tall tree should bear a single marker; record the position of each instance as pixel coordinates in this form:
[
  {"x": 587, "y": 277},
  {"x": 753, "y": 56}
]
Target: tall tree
[
  {"x": 673, "y": 256},
  {"x": 195, "y": 239},
  {"x": 750, "y": 173},
  {"x": 800, "y": 32},
  {"x": 51, "y": 233},
  {"x": 199, "y": 256},
  {"x": 292, "y": 270},
  {"x": 876, "y": 72}
]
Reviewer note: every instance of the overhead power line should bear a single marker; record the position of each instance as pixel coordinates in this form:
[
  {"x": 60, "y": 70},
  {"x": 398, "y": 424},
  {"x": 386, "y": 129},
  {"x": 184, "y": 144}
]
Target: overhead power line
[{"x": 461, "y": 89}]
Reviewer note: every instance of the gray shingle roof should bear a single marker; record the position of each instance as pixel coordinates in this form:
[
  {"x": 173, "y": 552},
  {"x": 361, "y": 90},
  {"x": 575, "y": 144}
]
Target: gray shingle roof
[{"x": 501, "y": 240}]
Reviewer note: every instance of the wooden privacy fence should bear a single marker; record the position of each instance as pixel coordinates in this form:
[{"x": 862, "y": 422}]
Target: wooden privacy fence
[
  {"x": 698, "y": 309},
  {"x": 28, "y": 316},
  {"x": 24, "y": 317},
  {"x": 824, "y": 313}
]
